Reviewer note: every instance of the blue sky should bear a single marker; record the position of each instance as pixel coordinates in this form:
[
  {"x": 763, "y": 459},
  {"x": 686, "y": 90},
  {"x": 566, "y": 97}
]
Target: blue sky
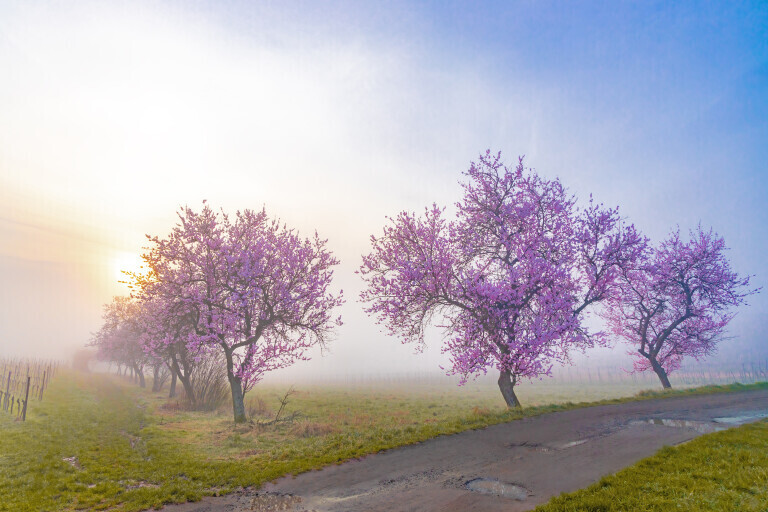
[{"x": 336, "y": 114}]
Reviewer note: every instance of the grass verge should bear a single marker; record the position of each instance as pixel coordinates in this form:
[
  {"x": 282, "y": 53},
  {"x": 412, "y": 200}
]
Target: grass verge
[
  {"x": 723, "y": 471},
  {"x": 99, "y": 443}
]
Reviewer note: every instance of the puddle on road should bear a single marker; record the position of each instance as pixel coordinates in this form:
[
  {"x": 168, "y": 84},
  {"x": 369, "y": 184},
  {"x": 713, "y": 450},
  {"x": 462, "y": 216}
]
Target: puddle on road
[
  {"x": 572, "y": 444},
  {"x": 746, "y": 417},
  {"x": 542, "y": 448},
  {"x": 491, "y": 486},
  {"x": 703, "y": 427}
]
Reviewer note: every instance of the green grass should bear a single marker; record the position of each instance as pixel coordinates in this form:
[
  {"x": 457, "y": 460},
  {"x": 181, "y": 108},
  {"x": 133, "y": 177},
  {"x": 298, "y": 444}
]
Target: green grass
[
  {"x": 724, "y": 471},
  {"x": 135, "y": 450}
]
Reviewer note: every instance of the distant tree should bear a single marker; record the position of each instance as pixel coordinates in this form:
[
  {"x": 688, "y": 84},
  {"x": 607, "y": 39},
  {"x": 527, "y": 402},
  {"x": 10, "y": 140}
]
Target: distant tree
[
  {"x": 82, "y": 358},
  {"x": 676, "y": 300},
  {"x": 510, "y": 278},
  {"x": 251, "y": 288},
  {"x": 119, "y": 338}
]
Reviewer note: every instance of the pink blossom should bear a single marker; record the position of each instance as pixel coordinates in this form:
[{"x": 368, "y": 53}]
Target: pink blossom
[
  {"x": 675, "y": 301},
  {"x": 509, "y": 279}
]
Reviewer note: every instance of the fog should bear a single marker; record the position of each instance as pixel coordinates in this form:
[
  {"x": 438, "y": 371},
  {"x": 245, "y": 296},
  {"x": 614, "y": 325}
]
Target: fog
[{"x": 113, "y": 115}]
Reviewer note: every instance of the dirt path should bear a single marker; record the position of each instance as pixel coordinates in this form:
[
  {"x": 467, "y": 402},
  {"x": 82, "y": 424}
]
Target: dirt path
[{"x": 513, "y": 466}]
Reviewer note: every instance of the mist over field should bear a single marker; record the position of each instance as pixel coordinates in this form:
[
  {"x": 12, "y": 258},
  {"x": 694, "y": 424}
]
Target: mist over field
[
  {"x": 115, "y": 114},
  {"x": 219, "y": 220}
]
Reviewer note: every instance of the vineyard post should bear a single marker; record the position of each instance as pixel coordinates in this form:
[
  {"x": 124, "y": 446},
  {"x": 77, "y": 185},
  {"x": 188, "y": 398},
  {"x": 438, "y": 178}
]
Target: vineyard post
[
  {"x": 42, "y": 387},
  {"x": 26, "y": 399},
  {"x": 7, "y": 390}
]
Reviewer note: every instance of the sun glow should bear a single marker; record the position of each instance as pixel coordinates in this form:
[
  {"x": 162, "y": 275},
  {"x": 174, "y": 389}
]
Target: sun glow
[{"x": 126, "y": 262}]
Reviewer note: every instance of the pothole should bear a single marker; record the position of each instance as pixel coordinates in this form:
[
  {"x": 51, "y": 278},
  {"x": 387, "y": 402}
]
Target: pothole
[
  {"x": 530, "y": 446},
  {"x": 497, "y": 488},
  {"x": 274, "y": 501},
  {"x": 699, "y": 426},
  {"x": 745, "y": 417}
]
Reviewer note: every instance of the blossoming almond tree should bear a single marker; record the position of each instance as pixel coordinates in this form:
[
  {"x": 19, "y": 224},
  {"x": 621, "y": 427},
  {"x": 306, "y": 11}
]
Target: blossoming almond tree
[
  {"x": 676, "y": 301},
  {"x": 510, "y": 278},
  {"x": 256, "y": 290}
]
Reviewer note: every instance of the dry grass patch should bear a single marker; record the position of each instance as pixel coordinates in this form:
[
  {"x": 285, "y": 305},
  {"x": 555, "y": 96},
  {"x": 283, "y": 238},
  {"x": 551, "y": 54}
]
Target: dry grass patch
[{"x": 308, "y": 428}]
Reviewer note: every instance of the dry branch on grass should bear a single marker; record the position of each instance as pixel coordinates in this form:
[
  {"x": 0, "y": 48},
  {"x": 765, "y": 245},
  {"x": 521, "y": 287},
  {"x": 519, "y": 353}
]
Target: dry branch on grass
[{"x": 279, "y": 418}]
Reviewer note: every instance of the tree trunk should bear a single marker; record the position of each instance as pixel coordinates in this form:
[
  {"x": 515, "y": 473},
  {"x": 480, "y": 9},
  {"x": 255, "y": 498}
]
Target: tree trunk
[
  {"x": 156, "y": 378},
  {"x": 189, "y": 390},
  {"x": 186, "y": 382},
  {"x": 238, "y": 404},
  {"x": 660, "y": 372},
  {"x": 507, "y": 386},
  {"x": 172, "y": 392},
  {"x": 651, "y": 357},
  {"x": 140, "y": 373}
]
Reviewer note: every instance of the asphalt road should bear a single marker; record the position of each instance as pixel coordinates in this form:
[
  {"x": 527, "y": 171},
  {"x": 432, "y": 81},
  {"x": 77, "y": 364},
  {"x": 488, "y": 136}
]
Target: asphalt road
[{"x": 514, "y": 466}]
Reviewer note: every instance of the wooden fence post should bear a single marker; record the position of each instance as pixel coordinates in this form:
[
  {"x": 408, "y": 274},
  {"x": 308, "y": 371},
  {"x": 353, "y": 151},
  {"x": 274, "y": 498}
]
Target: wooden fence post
[
  {"x": 26, "y": 399},
  {"x": 7, "y": 391}
]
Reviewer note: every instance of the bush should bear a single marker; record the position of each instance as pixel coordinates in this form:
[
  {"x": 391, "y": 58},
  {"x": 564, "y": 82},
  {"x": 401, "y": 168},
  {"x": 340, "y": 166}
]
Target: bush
[{"x": 210, "y": 383}]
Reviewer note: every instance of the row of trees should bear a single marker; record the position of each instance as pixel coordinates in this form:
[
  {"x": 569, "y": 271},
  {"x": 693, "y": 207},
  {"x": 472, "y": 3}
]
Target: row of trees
[
  {"x": 244, "y": 290},
  {"x": 511, "y": 276},
  {"x": 514, "y": 273}
]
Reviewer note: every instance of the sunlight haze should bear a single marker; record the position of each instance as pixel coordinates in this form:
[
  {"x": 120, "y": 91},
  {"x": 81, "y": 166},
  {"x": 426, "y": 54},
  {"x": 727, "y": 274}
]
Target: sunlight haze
[{"x": 335, "y": 115}]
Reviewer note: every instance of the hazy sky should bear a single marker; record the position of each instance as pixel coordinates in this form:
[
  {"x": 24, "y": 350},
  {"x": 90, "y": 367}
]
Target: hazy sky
[{"x": 334, "y": 115}]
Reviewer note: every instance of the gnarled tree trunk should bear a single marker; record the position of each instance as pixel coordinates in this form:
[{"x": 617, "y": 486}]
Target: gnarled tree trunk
[
  {"x": 186, "y": 381},
  {"x": 140, "y": 374},
  {"x": 507, "y": 383},
  {"x": 238, "y": 404},
  {"x": 660, "y": 372}
]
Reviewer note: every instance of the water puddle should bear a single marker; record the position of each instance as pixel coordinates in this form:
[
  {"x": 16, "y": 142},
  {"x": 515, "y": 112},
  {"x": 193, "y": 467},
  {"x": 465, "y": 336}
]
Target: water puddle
[
  {"x": 541, "y": 448},
  {"x": 572, "y": 444},
  {"x": 491, "y": 486},
  {"x": 703, "y": 427},
  {"x": 745, "y": 417}
]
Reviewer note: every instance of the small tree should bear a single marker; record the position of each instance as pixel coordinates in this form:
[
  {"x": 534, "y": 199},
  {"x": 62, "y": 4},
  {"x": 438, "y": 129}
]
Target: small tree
[
  {"x": 675, "y": 301},
  {"x": 511, "y": 277},
  {"x": 252, "y": 288}
]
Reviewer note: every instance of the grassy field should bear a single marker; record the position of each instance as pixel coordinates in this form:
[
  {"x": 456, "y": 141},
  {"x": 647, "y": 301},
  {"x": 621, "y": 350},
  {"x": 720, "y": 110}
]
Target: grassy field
[{"x": 98, "y": 442}]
